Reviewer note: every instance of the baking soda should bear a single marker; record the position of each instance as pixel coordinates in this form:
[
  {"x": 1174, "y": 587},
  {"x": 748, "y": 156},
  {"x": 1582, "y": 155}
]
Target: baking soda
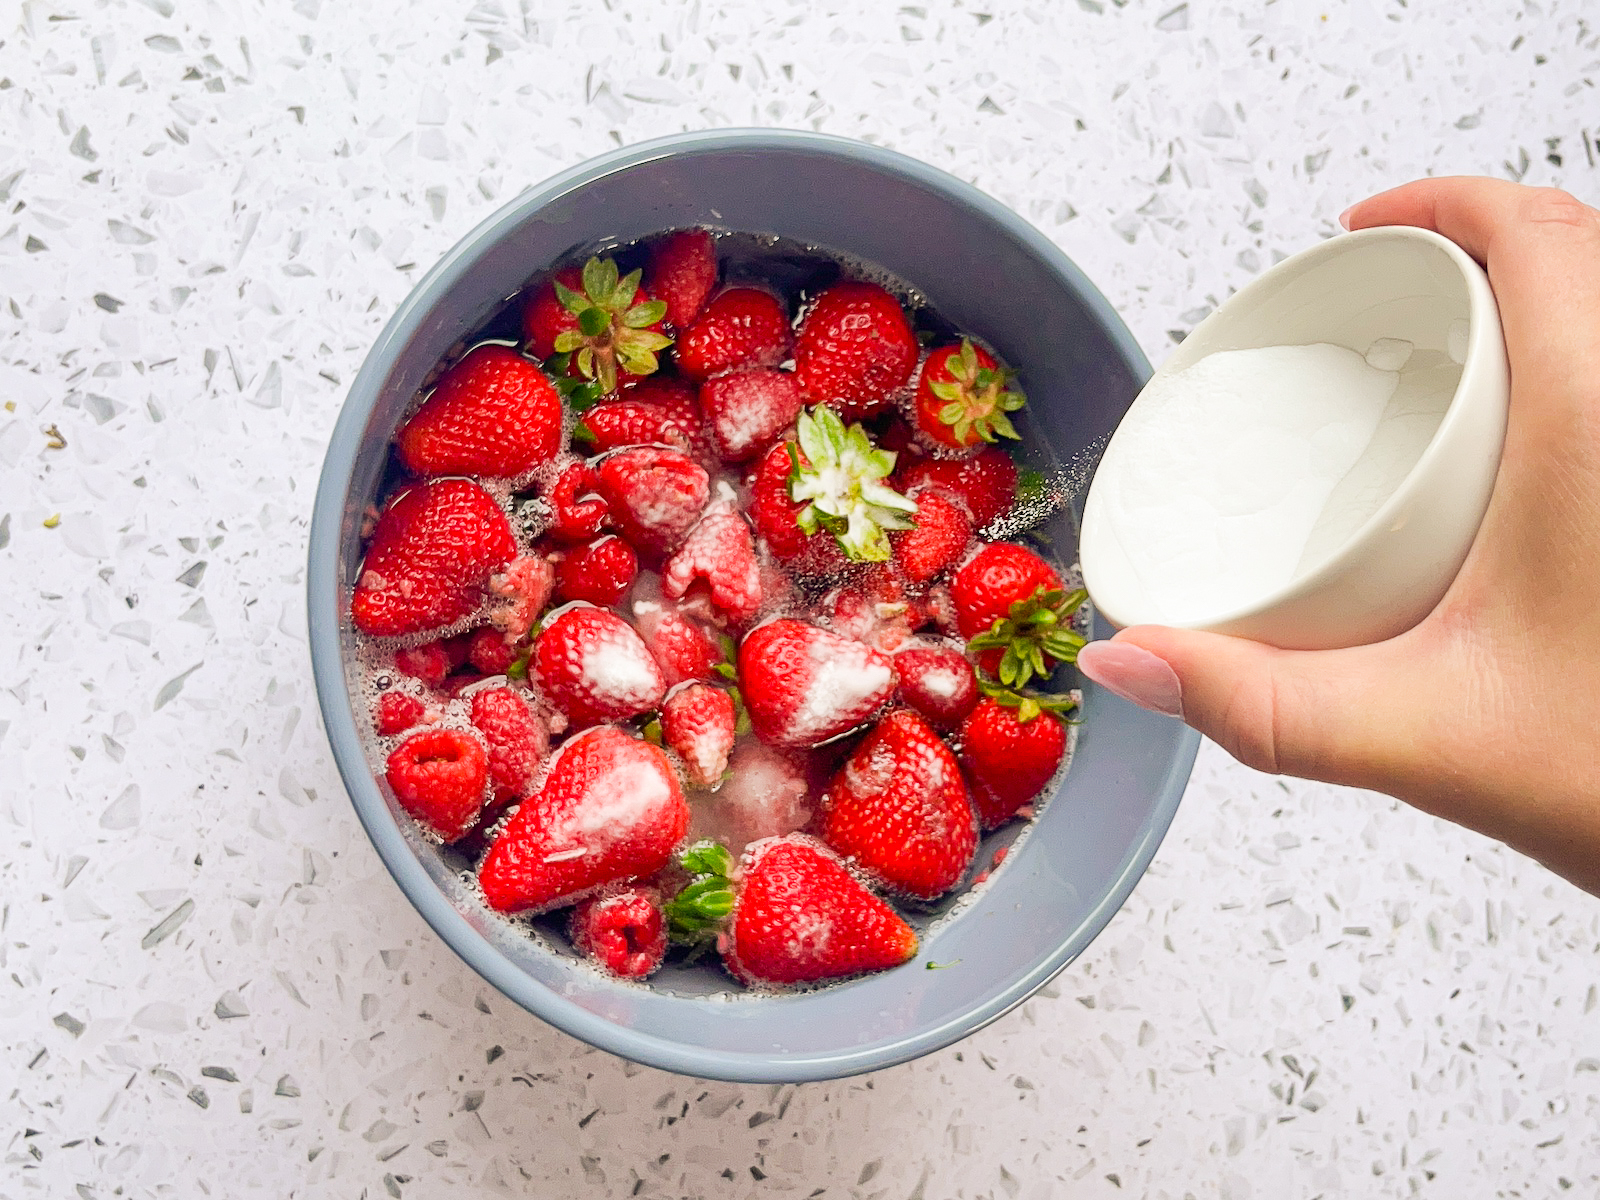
[{"x": 1230, "y": 478}]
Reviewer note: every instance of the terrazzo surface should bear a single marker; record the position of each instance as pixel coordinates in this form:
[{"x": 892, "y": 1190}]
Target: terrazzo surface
[{"x": 209, "y": 985}]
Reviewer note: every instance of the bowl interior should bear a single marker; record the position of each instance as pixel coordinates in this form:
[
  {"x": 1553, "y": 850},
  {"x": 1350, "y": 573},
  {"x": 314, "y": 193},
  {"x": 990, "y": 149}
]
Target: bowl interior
[{"x": 986, "y": 271}]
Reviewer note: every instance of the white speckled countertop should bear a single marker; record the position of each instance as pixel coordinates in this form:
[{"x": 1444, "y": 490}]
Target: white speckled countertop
[{"x": 209, "y": 985}]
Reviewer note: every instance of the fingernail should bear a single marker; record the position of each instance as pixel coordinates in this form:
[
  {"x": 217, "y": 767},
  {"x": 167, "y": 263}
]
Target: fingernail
[
  {"x": 1344, "y": 217},
  {"x": 1134, "y": 674}
]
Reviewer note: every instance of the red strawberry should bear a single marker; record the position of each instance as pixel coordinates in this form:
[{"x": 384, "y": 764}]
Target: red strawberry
[
  {"x": 431, "y": 661},
  {"x": 775, "y": 514},
  {"x": 1011, "y": 606},
  {"x": 518, "y": 740},
  {"x": 899, "y": 808},
  {"x": 518, "y": 594},
  {"x": 938, "y": 682},
  {"x": 622, "y": 930},
  {"x": 493, "y": 413},
  {"x": 939, "y": 540},
  {"x": 742, "y": 327},
  {"x": 747, "y": 409},
  {"x": 999, "y": 575},
  {"x": 855, "y": 349},
  {"x": 1008, "y": 759},
  {"x": 719, "y": 551},
  {"x": 681, "y": 273},
  {"x": 655, "y": 495},
  {"x": 609, "y": 326},
  {"x": 681, "y": 648},
  {"x": 963, "y": 396},
  {"x": 594, "y": 667},
  {"x": 629, "y": 422},
  {"x": 577, "y": 511},
  {"x": 600, "y": 572},
  {"x": 804, "y": 685},
  {"x": 438, "y": 777},
  {"x": 796, "y": 914},
  {"x": 431, "y": 553},
  {"x": 682, "y": 400},
  {"x": 697, "y": 723},
  {"x": 397, "y": 712},
  {"x": 609, "y": 811},
  {"x": 985, "y": 483},
  {"x": 873, "y": 608},
  {"x": 491, "y": 652}
]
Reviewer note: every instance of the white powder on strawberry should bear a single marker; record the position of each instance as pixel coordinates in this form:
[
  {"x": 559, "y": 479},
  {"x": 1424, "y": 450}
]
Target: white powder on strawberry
[
  {"x": 844, "y": 683},
  {"x": 620, "y": 673},
  {"x": 941, "y": 683},
  {"x": 629, "y": 795}
]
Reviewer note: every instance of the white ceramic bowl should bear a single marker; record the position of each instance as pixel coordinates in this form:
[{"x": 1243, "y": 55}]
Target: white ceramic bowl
[{"x": 1391, "y": 282}]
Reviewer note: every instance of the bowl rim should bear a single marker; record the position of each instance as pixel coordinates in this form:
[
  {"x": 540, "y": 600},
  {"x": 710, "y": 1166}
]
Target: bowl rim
[
  {"x": 322, "y": 595},
  {"x": 1476, "y": 371}
]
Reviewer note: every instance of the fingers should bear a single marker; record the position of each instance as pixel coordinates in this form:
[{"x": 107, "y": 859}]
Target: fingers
[
  {"x": 1328, "y": 715},
  {"x": 1542, "y": 251}
]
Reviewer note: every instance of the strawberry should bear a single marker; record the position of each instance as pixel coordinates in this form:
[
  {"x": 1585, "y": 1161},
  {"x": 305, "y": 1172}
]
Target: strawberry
[
  {"x": 577, "y": 511},
  {"x": 519, "y": 593},
  {"x": 718, "y": 550},
  {"x": 697, "y": 723},
  {"x": 841, "y": 485},
  {"x": 518, "y": 740},
  {"x": 747, "y": 409},
  {"x": 431, "y": 661},
  {"x": 600, "y": 572},
  {"x": 795, "y": 914},
  {"x": 775, "y": 516},
  {"x": 742, "y": 327},
  {"x": 963, "y": 396},
  {"x": 873, "y": 608},
  {"x": 938, "y": 682},
  {"x": 431, "y": 553},
  {"x": 607, "y": 325},
  {"x": 681, "y": 648},
  {"x": 655, "y": 495},
  {"x": 1015, "y": 613},
  {"x": 804, "y": 685},
  {"x": 609, "y": 811},
  {"x": 621, "y": 929},
  {"x": 438, "y": 777},
  {"x": 593, "y": 666},
  {"x": 494, "y": 413},
  {"x": 397, "y": 712},
  {"x": 490, "y": 652},
  {"x": 1009, "y": 754},
  {"x": 939, "y": 540},
  {"x": 899, "y": 808},
  {"x": 629, "y": 422},
  {"x": 855, "y": 349},
  {"x": 985, "y": 483},
  {"x": 681, "y": 273}
]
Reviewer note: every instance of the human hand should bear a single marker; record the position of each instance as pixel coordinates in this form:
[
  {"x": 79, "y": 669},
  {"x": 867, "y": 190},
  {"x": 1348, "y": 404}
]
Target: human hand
[{"x": 1488, "y": 712}]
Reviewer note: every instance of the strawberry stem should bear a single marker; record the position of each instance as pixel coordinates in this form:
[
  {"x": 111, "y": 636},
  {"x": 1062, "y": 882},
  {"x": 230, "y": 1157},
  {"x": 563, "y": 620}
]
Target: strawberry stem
[
  {"x": 702, "y": 907},
  {"x": 843, "y": 483}
]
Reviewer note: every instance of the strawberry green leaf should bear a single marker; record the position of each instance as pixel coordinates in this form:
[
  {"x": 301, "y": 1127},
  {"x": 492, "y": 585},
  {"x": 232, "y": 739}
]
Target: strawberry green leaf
[
  {"x": 599, "y": 277},
  {"x": 582, "y": 433},
  {"x": 592, "y": 322},
  {"x": 568, "y": 340},
  {"x": 570, "y": 300},
  {"x": 706, "y": 857},
  {"x": 624, "y": 290},
  {"x": 641, "y": 316},
  {"x": 844, "y": 488}
]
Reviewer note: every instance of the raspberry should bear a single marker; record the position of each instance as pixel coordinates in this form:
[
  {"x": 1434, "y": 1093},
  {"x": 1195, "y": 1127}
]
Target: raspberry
[
  {"x": 517, "y": 737},
  {"x": 718, "y": 550},
  {"x": 397, "y": 712},
  {"x": 438, "y": 776},
  {"x": 622, "y": 929},
  {"x": 600, "y": 572}
]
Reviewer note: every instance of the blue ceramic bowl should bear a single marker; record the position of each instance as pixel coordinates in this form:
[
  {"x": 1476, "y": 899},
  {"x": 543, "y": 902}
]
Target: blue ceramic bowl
[{"x": 988, "y": 272}]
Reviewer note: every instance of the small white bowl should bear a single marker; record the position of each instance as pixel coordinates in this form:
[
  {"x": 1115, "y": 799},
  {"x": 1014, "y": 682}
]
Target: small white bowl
[{"x": 1390, "y": 282}]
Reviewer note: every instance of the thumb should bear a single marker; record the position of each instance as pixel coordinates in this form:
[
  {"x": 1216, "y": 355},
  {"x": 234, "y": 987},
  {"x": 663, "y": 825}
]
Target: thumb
[{"x": 1320, "y": 714}]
